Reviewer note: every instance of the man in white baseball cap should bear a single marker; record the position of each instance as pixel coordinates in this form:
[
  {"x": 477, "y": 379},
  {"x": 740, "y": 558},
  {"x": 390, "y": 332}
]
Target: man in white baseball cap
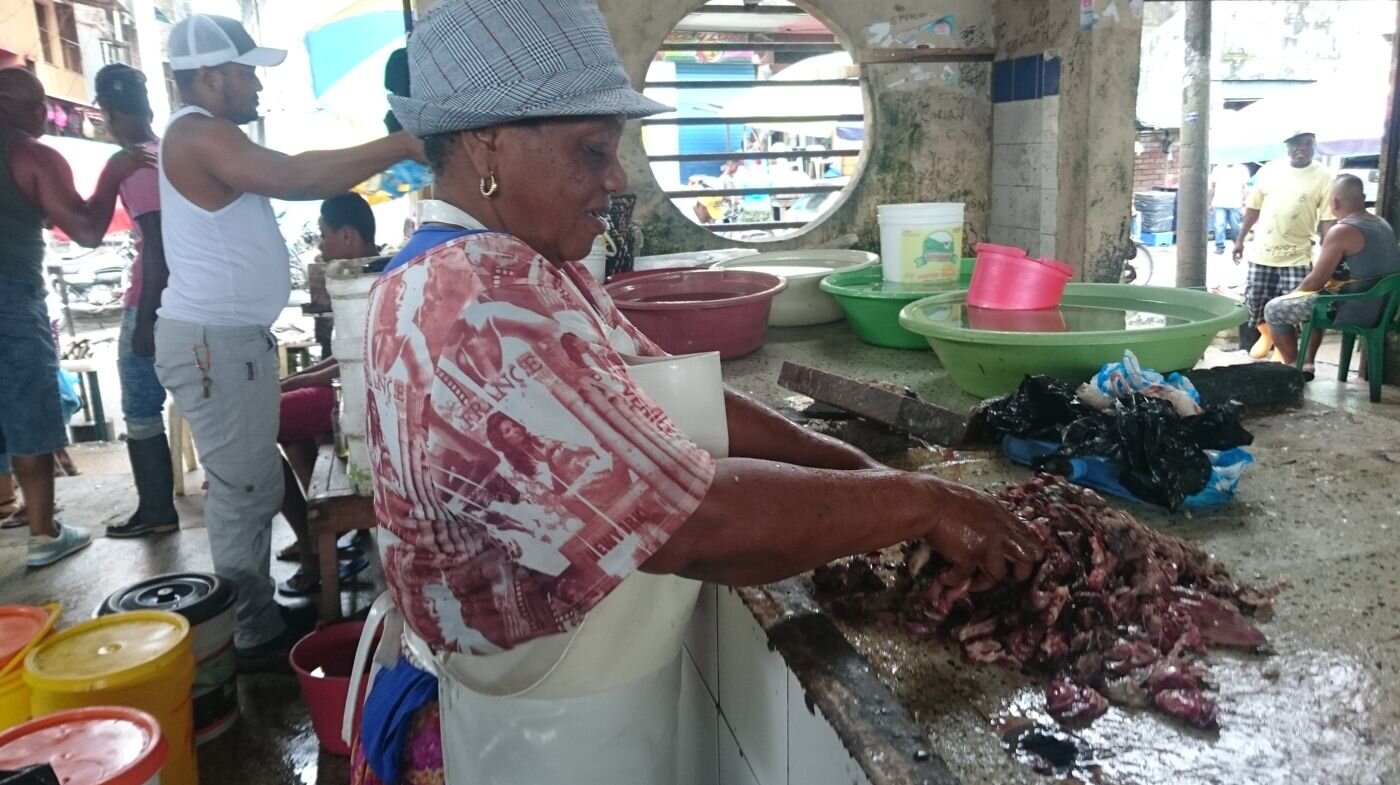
[{"x": 229, "y": 281}]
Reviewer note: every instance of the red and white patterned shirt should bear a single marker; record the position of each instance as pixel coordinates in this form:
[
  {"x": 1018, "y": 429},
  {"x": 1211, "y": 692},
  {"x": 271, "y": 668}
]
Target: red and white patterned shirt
[{"x": 519, "y": 473}]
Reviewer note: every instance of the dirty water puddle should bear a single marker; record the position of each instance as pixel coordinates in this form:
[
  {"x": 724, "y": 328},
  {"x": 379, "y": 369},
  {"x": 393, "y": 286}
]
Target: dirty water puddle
[{"x": 1295, "y": 718}]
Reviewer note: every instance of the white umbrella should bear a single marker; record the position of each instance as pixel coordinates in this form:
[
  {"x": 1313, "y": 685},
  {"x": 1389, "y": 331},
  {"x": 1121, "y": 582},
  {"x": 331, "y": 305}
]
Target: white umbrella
[{"x": 1348, "y": 116}]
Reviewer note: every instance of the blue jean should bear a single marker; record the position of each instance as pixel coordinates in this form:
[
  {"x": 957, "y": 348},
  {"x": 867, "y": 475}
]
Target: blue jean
[
  {"x": 1226, "y": 221},
  {"x": 143, "y": 399},
  {"x": 31, "y": 415}
]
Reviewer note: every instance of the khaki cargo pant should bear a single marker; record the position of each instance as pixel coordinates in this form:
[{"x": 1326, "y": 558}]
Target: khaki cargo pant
[{"x": 224, "y": 381}]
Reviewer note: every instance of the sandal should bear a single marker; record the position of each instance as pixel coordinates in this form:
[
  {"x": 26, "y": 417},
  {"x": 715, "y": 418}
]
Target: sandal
[
  {"x": 17, "y": 519},
  {"x": 303, "y": 585},
  {"x": 1309, "y": 373},
  {"x": 292, "y": 553},
  {"x": 9, "y": 508}
]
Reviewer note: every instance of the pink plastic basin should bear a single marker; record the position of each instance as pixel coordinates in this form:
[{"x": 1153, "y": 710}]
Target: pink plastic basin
[
  {"x": 690, "y": 311},
  {"x": 1008, "y": 250},
  {"x": 1012, "y": 282}
]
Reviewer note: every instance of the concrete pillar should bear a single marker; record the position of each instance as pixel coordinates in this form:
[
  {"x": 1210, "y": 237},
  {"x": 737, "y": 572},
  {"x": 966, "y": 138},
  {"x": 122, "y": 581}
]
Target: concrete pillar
[
  {"x": 1092, "y": 128},
  {"x": 1100, "y": 103},
  {"x": 1192, "y": 204},
  {"x": 148, "y": 45},
  {"x": 1388, "y": 198}
]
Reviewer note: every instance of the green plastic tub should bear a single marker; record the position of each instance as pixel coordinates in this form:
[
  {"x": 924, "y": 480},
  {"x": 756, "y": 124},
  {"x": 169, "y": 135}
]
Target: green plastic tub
[
  {"x": 987, "y": 352},
  {"x": 872, "y": 305}
]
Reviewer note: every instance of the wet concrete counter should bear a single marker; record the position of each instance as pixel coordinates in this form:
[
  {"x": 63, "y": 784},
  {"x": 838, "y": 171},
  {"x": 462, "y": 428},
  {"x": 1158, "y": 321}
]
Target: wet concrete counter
[{"x": 1320, "y": 510}]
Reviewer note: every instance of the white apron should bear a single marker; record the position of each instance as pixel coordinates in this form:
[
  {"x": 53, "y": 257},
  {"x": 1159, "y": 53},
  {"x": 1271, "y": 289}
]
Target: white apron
[{"x": 595, "y": 706}]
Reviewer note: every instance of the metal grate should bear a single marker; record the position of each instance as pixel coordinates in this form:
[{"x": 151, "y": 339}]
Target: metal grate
[{"x": 783, "y": 183}]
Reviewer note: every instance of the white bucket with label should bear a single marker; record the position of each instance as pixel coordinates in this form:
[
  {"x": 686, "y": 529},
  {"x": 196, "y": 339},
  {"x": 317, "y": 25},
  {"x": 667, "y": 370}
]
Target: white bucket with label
[
  {"x": 596, "y": 262},
  {"x": 921, "y": 243},
  {"x": 349, "y": 287}
]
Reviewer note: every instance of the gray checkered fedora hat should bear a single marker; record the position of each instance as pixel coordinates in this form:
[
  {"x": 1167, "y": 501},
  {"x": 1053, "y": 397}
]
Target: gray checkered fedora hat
[{"x": 478, "y": 63}]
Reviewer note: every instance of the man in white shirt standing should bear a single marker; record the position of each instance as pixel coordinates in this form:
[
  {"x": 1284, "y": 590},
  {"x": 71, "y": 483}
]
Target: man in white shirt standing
[
  {"x": 229, "y": 281},
  {"x": 1228, "y": 185}
]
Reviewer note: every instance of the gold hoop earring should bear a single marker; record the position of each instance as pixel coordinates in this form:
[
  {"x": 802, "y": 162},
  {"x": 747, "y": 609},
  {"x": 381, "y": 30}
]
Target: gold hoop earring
[{"x": 489, "y": 186}]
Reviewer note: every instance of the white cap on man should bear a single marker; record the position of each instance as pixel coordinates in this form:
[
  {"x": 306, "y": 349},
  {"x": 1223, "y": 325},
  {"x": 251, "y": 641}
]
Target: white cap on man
[{"x": 206, "y": 41}]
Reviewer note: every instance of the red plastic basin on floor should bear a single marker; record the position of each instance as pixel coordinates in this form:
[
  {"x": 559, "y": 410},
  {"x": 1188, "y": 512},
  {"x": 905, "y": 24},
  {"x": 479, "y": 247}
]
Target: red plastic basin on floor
[
  {"x": 1012, "y": 282},
  {"x": 691, "y": 311},
  {"x": 323, "y": 662}
]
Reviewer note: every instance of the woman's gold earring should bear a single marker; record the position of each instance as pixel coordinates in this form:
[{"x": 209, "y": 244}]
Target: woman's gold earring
[{"x": 489, "y": 186}]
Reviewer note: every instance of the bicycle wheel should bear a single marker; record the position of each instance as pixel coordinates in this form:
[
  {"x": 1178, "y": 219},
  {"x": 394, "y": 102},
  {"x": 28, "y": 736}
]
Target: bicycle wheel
[{"x": 1143, "y": 264}]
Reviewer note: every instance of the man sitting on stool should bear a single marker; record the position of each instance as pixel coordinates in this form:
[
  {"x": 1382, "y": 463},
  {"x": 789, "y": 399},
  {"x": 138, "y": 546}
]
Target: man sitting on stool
[{"x": 308, "y": 401}]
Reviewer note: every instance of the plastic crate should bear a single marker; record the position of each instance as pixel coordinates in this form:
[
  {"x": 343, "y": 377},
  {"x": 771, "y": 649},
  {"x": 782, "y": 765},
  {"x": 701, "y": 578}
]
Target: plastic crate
[{"x": 1157, "y": 239}]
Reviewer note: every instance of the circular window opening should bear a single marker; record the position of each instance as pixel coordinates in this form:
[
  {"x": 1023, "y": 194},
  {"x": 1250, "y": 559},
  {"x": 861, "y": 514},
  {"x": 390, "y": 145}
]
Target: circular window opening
[{"x": 769, "y": 122}]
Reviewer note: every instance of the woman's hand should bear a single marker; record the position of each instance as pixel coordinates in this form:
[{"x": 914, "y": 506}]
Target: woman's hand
[{"x": 978, "y": 535}]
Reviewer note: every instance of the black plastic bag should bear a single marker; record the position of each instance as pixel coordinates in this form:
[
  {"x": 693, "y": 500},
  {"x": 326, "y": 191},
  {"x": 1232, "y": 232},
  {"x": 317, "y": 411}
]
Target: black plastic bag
[
  {"x": 1158, "y": 455},
  {"x": 38, "y": 774},
  {"x": 1219, "y": 427},
  {"x": 1037, "y": 409}
]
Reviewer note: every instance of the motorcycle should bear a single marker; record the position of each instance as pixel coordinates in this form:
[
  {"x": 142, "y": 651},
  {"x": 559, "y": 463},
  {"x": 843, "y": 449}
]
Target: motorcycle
[{"x": 93, "y": 279}]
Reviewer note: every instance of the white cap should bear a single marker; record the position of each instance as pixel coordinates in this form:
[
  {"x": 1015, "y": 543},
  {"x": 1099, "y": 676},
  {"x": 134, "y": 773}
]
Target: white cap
[{"x": 206, "y": 40}]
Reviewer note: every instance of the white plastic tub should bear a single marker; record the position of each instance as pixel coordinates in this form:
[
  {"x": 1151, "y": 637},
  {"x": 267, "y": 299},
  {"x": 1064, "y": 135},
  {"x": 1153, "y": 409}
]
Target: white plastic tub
[{"x": 921, "y": 243}]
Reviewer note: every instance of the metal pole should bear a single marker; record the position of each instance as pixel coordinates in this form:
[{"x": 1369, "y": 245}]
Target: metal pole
[{"x": 1192, "y": 207}]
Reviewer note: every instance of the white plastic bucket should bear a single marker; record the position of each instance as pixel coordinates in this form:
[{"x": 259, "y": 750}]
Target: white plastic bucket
[
  {"x": 689, "y": 388},
  {"x": 597, "y": 259},
  {"x": 349, "y": 290},
  {"x": 921, "y": 243}
]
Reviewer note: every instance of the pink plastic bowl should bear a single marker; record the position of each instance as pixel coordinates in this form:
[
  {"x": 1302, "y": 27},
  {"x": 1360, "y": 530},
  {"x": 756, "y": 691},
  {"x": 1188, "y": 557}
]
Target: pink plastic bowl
[
  {"x": 1016, "y": 282},
  {"x": 690, "y": 311}
]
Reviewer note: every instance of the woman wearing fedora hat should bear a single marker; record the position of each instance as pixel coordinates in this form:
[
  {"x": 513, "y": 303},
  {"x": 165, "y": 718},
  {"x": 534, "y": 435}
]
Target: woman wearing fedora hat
[{"x": 549, "y": 496}]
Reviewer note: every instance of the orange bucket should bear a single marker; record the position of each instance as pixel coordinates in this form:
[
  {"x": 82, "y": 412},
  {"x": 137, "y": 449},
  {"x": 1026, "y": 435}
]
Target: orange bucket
[
  {"x": 106, "y": 745},
  {"x": 21, "y": 628}
]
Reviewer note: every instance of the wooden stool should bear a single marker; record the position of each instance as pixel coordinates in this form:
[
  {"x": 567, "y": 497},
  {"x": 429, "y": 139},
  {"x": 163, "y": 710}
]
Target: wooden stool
[
  {"x": 333, "y": 509},
  {"x": 182, "y": 452}
]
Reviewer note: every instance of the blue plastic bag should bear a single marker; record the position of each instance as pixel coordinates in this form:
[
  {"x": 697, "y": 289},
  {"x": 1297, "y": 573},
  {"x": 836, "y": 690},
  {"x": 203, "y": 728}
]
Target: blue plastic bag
[
  {"x": 68, "y": 394},
  {"x": 1101, "y": 473},
  {"x": 1118, "y": 380}
]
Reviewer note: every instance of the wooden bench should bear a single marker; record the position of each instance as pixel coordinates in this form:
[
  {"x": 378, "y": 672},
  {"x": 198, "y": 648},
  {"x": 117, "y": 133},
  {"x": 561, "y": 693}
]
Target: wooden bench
[{"x": 333, "y": 509}]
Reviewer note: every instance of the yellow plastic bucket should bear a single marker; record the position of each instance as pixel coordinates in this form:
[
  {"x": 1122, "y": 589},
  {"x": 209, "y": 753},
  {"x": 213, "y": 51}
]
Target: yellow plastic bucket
[
  {"x": 21, "y": 628},
  {"x": 140, "y": 659},
  {"x": 14, "y": 700}
]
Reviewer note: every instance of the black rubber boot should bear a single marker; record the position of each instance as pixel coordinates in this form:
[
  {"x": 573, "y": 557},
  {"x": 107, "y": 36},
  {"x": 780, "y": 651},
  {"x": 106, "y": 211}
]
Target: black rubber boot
[{"x": 155, "y": 486}]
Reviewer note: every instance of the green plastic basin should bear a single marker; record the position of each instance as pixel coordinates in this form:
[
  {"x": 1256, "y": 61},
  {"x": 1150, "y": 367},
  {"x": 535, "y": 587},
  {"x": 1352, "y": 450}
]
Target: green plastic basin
[
  {"x": 987, "y": 352},
  {"x": 872, "y": 305}
]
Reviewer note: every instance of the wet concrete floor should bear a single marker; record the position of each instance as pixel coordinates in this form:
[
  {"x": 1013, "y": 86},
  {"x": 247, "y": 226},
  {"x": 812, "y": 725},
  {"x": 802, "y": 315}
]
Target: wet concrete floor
[
  {"x": 272, "y": 743},
  {"x": 1320, "y": 510}
]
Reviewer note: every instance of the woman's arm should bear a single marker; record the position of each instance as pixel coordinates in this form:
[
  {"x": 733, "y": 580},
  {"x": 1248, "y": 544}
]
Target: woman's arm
[
  {"x": 763, "y": 521},
  {"x": 757, "y": 431}
]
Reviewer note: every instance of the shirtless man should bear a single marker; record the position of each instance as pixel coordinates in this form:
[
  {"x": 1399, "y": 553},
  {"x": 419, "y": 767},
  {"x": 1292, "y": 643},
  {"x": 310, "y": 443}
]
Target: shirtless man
[
  {"x": 36, "y": 187},
  {"x": 229, "y": 281}
]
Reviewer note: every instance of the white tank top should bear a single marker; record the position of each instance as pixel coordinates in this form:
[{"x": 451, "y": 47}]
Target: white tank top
[{"x": 228, "y": 267}]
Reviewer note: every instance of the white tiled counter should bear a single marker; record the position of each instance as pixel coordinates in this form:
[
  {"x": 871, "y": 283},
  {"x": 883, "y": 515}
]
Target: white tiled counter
[{"x": 745, "y": 714}]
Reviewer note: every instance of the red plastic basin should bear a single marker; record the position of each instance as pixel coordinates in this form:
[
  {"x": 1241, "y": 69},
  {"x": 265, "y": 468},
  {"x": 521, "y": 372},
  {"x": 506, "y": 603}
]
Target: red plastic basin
[
  {"x": 690, "y": 311},
  {"x": 1016, "y": 282},
  {"x": 323, "y": 662}
]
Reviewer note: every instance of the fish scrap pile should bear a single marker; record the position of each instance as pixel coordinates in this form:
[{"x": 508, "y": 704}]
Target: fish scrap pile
[{"x": 1114, "y": 611}]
